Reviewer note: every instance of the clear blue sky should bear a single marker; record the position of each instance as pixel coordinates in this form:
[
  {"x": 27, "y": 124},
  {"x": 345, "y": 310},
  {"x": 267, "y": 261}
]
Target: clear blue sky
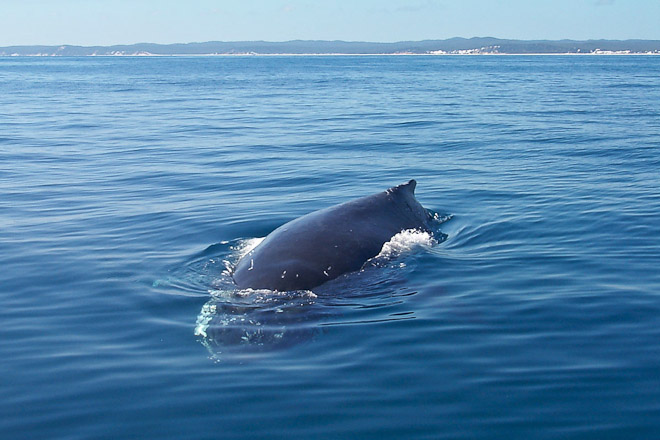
[{"x": 105, "y": 22}]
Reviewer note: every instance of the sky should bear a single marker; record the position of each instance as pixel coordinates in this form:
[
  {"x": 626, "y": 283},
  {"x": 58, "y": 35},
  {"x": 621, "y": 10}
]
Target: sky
[{"x": 108, "y": 22}]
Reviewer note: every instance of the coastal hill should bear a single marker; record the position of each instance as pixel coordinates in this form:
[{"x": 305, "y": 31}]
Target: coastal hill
[{"x": 475, "y": 45}]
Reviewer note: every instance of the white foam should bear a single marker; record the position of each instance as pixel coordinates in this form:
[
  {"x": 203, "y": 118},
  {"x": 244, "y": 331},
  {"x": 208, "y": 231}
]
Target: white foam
[
  {"x": 405, "y": 241},
  {"x": 204, "y": 319},
  {"x": 210, "y": 314}
]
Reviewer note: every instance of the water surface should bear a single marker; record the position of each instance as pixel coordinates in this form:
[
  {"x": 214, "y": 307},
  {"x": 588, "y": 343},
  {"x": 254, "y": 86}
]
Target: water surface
[{"x": 129, "y": 185}]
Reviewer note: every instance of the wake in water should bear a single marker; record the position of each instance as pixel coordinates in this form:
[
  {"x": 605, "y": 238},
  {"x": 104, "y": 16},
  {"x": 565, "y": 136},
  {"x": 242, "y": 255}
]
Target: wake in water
[{"x": 240, "y": 323}]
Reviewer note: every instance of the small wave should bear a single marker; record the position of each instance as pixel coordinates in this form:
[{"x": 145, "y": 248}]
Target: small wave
[
  {"x": 415, "y": 124},
  {"x": 208, "y": 269},
  {"x": 648, "y": 85}
]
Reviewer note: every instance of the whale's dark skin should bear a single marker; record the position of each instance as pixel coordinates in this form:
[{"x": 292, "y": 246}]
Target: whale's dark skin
[{"x": 322, "y": 245}]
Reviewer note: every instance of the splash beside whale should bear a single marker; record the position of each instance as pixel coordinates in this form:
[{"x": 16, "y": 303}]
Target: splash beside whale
[{"x": 318, "y": 247}]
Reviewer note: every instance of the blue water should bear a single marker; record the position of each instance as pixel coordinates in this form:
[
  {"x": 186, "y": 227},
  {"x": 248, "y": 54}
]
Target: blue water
[{"x": 128, "y": 187}]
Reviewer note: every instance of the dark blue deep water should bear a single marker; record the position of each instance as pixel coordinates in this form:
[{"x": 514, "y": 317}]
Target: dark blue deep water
[{"x": 128, "y": 186}]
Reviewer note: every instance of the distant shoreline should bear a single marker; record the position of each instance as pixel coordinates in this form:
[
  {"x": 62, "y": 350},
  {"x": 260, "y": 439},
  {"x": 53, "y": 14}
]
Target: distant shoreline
[{"x": 452, "y": 46}]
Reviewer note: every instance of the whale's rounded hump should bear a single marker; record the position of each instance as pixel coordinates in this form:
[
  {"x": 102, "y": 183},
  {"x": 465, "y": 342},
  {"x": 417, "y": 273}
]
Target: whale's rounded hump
[{"x": 322, "y": 245}]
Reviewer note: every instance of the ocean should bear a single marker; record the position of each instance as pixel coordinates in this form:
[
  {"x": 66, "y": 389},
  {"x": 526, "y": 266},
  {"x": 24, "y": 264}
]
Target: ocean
[{"x": 130, "y": 186}]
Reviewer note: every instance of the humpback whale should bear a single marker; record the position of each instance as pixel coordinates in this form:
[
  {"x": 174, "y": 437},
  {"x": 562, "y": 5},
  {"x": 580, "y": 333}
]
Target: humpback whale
[{"x": 320, "y": 246}]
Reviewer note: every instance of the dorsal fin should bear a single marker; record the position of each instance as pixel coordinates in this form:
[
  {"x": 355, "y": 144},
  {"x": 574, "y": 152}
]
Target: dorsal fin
[{"x": 409, "y": 186}]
